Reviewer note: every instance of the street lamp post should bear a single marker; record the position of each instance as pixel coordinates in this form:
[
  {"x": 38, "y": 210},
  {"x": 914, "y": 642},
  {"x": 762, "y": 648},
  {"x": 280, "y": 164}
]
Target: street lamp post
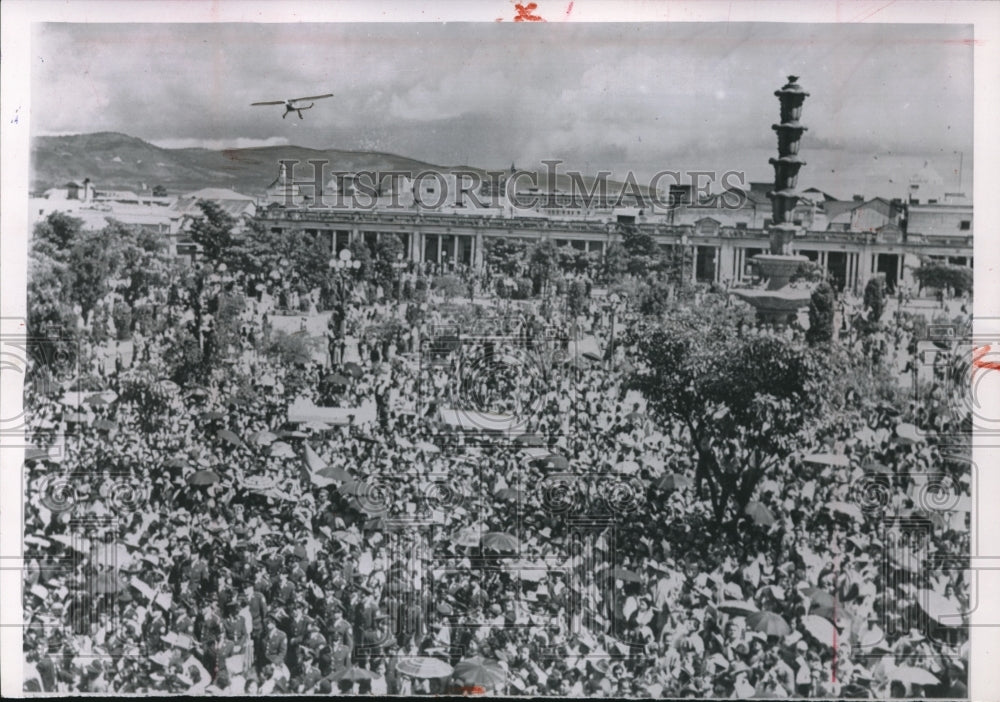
[{"x": 342, "y": 265}]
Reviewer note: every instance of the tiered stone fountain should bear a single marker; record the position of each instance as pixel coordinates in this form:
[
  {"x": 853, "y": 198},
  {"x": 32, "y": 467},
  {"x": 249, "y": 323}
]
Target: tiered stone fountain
[{"x": 779, "y": 302}]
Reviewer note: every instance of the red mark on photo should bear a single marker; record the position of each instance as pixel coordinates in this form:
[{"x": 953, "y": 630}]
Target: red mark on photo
[
  {"x": 978, "y": 362},
  {"x": 569, "y": 9},
  {"x": 468, "y": 690},
  {"x": 524, "y": 13}
]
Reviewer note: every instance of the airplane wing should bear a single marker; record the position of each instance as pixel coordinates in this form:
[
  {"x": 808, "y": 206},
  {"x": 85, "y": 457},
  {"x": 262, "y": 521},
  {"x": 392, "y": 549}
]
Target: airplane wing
[
  {"x": 272, "y": 102},
  {"x": 311, "y": 97}
]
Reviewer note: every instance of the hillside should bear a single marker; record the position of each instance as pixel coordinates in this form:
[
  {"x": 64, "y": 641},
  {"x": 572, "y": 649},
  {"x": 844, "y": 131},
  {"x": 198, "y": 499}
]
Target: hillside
[{"x": 120, "y": 162}]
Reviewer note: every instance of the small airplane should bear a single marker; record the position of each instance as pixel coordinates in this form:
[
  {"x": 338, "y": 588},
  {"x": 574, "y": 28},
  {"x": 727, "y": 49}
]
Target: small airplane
[{"x": 291, "y": 106}]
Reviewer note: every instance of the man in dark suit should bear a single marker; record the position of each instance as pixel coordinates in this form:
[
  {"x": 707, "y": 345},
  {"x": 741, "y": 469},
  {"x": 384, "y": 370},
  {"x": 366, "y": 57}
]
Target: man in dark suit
[
  {"x": 276, "y": 646},
  {"x": 258, "y": 615}
]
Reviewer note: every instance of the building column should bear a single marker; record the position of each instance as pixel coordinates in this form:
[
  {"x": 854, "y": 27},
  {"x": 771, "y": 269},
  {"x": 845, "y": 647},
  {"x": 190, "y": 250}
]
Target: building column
[{"x": 727, "y": 262}]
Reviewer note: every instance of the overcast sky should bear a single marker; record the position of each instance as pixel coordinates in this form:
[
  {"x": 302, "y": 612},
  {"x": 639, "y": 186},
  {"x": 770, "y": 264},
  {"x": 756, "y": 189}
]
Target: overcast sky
[{"x": 649, "y": 96}]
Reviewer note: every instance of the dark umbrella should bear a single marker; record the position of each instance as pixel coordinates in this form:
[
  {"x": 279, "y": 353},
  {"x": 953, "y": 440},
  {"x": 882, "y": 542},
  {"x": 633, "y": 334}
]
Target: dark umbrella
[
  {"x": 353, "y": 369},
  {"x": 337, "y": 379},
  {"x": 105, "y": 425},
  {"x": 33, "y": 453},
  {"x": 96, "y": 400},
  {"x": 768, "y": 623},
  {"x": 203, "y": 477},
  {"x": 499, "y": 541},
  {"x": 353, "y": 673},
  {"x": 759, "y": 513},
  {"x": 477, "y": 671},
  {"x": 627, "y": 575},
  {"x": 176, "y": 463},
  {"x": 818, "y": 596},
  {"x": 104, "y": 582},
  {"x": 591, "y": 356},
  {"x": 334, "y": 473},
  {"x": 227, "y": 435},
  {"x": 511, "y": 494},
  {"x": 674, "y": 481}
]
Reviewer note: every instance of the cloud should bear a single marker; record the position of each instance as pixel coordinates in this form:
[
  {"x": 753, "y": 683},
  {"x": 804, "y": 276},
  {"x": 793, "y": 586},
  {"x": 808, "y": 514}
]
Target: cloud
[{"x": 219, "y": 144}]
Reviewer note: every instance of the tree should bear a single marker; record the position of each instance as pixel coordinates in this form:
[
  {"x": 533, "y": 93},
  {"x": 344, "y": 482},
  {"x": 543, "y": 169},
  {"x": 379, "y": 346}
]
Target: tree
[
  {"x": 213, "y": 231},
  {"x": 543, "y": 264},
  {"x": 616, "y": 261},
  {"x": 506, "y": 256},
  {"x": 388, "y": 251},
  {"x": 56, "y": 234},
  {"x": 821, "y": 305},
  {"x": 944, "y": 277},
  {"x": 874, "y": 299},
  {"x": 746, "y": 398}
]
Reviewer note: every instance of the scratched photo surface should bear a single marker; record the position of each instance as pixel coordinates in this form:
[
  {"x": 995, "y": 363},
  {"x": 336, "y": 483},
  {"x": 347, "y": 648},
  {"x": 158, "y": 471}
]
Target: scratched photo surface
[{"x": 590, "y": 360}]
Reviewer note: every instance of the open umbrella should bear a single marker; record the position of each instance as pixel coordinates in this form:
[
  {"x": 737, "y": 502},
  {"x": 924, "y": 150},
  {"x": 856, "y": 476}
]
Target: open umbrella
[
  {"x": 337, "y": 379},
  {"x": 203, "y": 477},
  {"x": 820, "y": 629},
  {"x": 263, "y": 438},
  {"x": 229, "y": 436},
  {"x": 105, "y": 425},
  {"x": 591, "y": 356},
  {"x": 529, "y": 440},
  {"x": 34, "y": 453},
  {"x": 555, "y": 462},
  {"x": 939, "y": 608},
  {"x": 627, "y": 575},
  {"x": 280, "y": 449},
  {"x": 176, "y": 463},
  {"x": 875, "y": 467},
  {"x": 737, "y": 608},
  {"x": 347, "y": 537},
  {"x": 768, "y": 623},
  {"x": 510, "y": 494},
  {"x": 908, "y": 433},
  {"x": 98, "y": 399},
  {"x": 827, "y": 459},
  {"x": 353, "y": 369},
  {"x": 913, "y": 675},
  {"x": 353, "y": 673},
  {"x": 103, "y": 582},
  {"x": 477, "y": 671},
  {"x": 499, "y": 541},
  {"x": 759, "y": 513},
  {"x": 334, "y": 473},
  {"x": 847, "y": 509},
  {"x": 628, "y": 467},
  {"x": 674, "y": 481},
  {"x": 818, "y": 596},
  {"x": 424, "y": 667}
]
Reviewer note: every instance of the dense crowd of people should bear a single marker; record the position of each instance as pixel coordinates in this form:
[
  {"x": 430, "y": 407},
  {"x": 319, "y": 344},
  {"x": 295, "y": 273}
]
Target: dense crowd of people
[{"x": 193, "y": 538}]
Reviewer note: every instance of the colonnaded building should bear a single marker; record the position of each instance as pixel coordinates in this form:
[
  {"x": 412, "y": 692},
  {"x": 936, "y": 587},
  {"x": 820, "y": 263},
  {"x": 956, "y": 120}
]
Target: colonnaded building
[
  {"x": 852, "y": 239},
  {"x": 439, "y": 222}
]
